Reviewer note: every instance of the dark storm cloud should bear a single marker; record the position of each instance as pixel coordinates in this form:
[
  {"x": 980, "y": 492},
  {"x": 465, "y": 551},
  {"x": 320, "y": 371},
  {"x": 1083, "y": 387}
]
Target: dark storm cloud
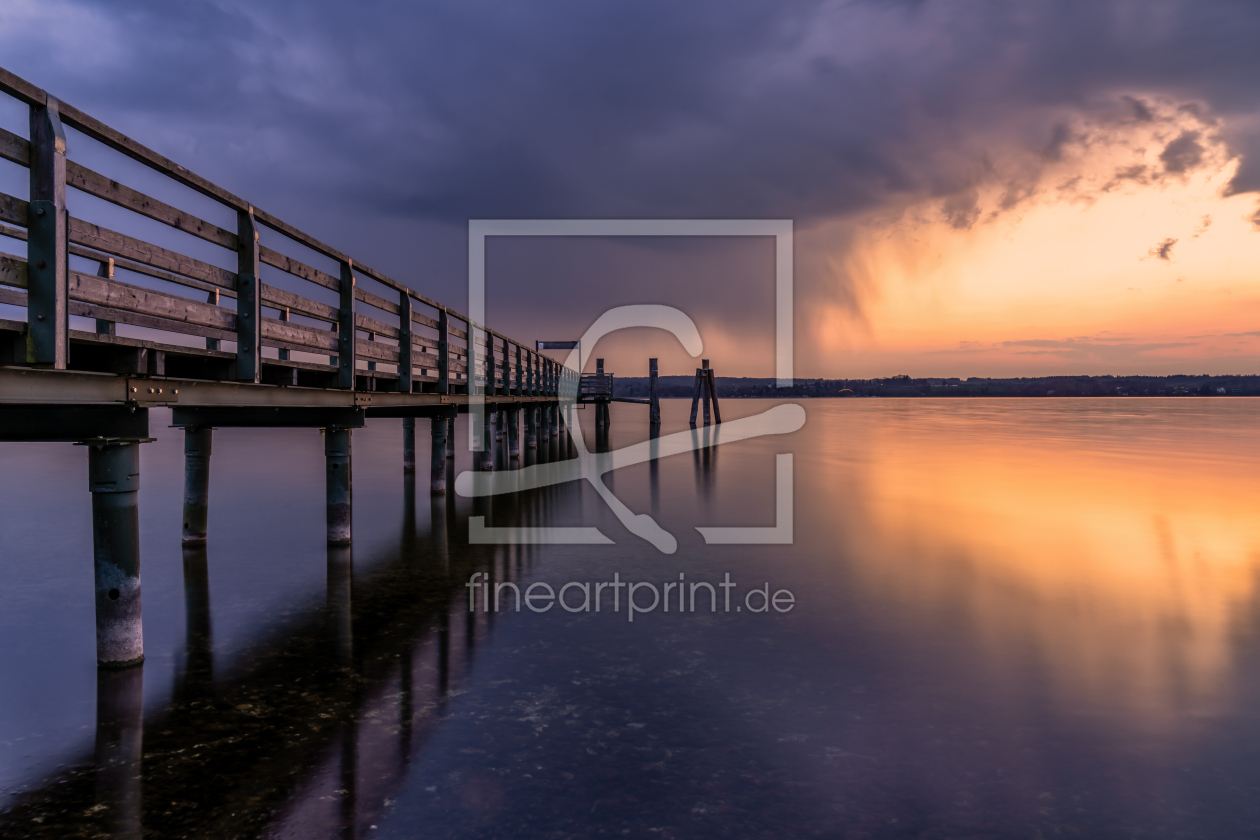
[
  {"x": 802, "y": 109},
  {"x": 1163, "y": 250}
]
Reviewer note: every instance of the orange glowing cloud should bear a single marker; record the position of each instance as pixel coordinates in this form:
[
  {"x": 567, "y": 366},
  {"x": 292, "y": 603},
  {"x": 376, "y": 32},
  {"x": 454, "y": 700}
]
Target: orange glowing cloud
[{"x": 1117, "y": 250}]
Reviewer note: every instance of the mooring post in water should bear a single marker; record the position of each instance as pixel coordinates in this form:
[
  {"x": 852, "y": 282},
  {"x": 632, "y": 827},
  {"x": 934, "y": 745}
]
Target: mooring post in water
[
  {"x": 197, "y": 441},
  {"x": 437, "y": 464},
  {"x": 337, "y": 471},
  {"x": 409, "y": 444},
  {"x": 654, "y": 397},
  {"x": 114, "y": 479},
  {"x": 712, "y": 386},
  {"x": 704, "y": 388}
]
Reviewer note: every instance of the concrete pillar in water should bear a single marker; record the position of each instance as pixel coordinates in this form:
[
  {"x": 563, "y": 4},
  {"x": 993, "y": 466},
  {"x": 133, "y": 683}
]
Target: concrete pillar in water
[
  {"x": 498, "y": 424},
  {"x": 531, "y": 432},
  {"x": 485, "y": 458},
  {"x": 409, "y": 444},
  {"x": 114, "y": 479},
  {"x": 197, "y": 442},
  {"x": 514, "y": 437},
  {"x": 437, "y": 476},
  {"x": 450, "y": 437},
  {"x": 337, "y": 473}
]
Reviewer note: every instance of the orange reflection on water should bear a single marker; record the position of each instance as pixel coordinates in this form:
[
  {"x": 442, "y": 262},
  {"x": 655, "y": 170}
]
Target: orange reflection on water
[{"x": 1113, "y": 544}]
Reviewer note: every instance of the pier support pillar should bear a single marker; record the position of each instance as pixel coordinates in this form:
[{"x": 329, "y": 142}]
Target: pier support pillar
[
  {"x": 437, "y": 465},
  {"x": 531, "y": 432},
  {"x": 337, "y": 472},
  {"x": 409, "y": 444},
  {"x": 114, "y": 479},
  {"x": 197, "y": 441},
  {"x": 485, "y": 458},
  {"x": 513, "y": 430},
  {"x": 450, "y": 437}
]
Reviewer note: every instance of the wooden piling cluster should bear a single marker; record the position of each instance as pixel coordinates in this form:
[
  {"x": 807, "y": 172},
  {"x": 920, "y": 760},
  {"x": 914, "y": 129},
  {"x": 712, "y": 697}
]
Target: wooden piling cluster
[{"x": 358, "y": 344}]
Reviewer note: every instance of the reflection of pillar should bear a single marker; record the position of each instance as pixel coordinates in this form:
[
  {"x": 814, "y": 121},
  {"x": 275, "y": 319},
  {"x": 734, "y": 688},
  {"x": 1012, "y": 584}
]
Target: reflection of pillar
[
  {"x": 337, "y": 455},
  {"x": 197, "y": 442},
  {"x": 444, "y": 651},
  {"x": 409, "y": 444},
  {"x": 198, "y": 674},
  {"x": 114, "y": 479},
  {"x": 119, "y": 749},
  {"x": 339, "y": 604},
  {"x": 349, "y": 778},
  {"x": 437, "y": 458},
  {"x": 654, "y": 464}
]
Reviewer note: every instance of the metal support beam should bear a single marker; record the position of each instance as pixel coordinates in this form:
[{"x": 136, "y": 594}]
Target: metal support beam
[
  {"x": 47, "y": 307},
  {"x": 197, "y": 444},
  {"x": 248, "y": 299},
  {"x": 338, "y": 486},
  {"x": 114, "y": 480},
  {"x": 284, "y": 417},
  {"x": 346, "y": 329},
  {"x": 72, "y": 423}
]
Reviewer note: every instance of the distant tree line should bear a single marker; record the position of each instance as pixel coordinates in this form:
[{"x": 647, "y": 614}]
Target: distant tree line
[{"x": 903, "y": 386}]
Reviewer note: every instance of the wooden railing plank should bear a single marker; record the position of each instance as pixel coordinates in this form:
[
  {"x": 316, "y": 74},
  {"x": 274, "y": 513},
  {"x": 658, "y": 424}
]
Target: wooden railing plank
[
  {"x": 13, "y": 271},
  {"x": 363, "y": 322},
  {"x": 93, "y": 183},
  {"x": 115, "y": 295},
  {"x": 296, "y": 303},
  {"x": 121, "y": 245},
  {"x": 275, "y": 259},
  {"x": 15, "y": 148},
  {"x": 304, "y": 338}
]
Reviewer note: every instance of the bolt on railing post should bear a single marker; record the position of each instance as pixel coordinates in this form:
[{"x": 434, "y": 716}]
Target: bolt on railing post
[{"x": 47, "y": 307}]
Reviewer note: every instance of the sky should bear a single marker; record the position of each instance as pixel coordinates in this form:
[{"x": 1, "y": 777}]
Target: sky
[{"x": 977, "y": 188}]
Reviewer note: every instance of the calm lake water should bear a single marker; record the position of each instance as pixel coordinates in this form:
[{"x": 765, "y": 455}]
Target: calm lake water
[{"x": 1012, "y": 618}]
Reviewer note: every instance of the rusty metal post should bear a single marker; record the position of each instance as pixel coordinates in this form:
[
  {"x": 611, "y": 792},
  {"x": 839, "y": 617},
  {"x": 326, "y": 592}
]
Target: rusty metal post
[
  {"x": 437, "y": 456},
  {"x": 197, "y": 442},
  {"x": 409, "y": 444},
  {"x": 114, "y": 479},
  {"x": 338, "y": 486}
]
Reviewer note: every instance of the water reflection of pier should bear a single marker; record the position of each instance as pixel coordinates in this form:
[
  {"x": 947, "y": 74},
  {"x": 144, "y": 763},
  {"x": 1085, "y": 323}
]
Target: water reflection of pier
[{"x": 314, "y": 730}]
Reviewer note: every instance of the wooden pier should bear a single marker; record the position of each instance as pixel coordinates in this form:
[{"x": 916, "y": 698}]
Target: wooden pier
[{"x": 372, "y": 347}]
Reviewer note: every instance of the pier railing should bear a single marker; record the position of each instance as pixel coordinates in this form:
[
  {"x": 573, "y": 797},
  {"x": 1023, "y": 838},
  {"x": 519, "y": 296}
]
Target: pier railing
[{"x": 379, "y": 335}]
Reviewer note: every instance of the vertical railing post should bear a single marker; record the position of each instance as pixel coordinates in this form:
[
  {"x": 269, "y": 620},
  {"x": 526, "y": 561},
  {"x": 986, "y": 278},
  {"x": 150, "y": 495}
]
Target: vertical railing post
[
  {"x": 106, "y": 270},
  {"x": 443, "y": 352},
  {"x": 520, "y": 373},
  {"x": 213, "y": 300},
  {"x": 404, "y": 342},
  {"x": 346, "y": 329},
  {"x": 248, "y": 299},
  {"x": 48, "y": 313},
  {"x": 284, "y": 316}
]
